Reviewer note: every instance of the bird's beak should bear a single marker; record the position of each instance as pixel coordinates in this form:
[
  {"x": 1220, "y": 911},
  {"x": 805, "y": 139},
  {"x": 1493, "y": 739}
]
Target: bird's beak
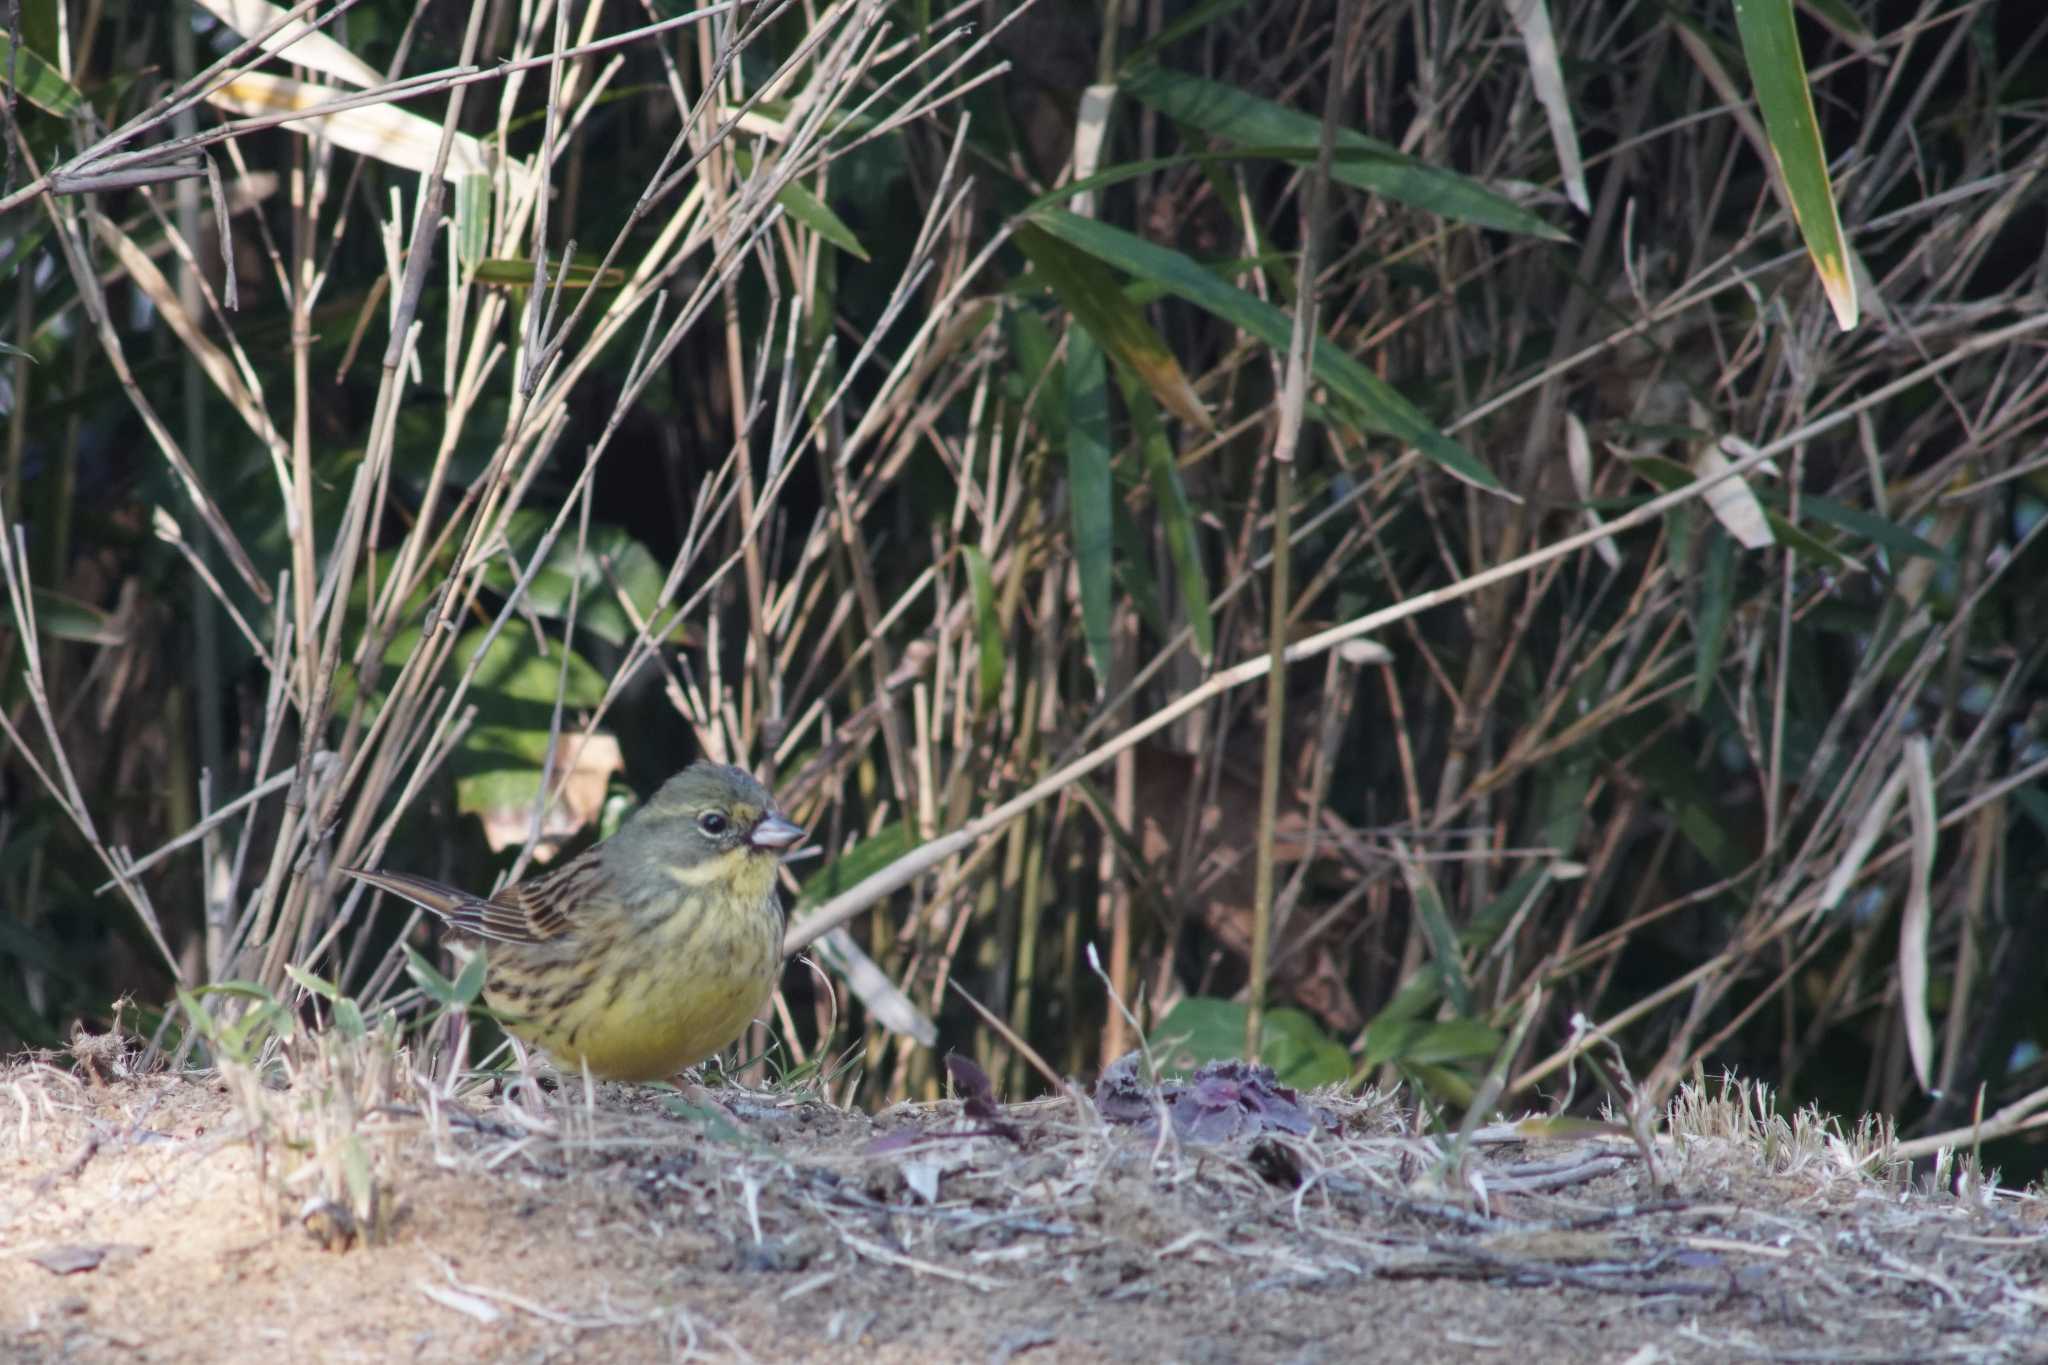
[{"x": 775, "y": 833}]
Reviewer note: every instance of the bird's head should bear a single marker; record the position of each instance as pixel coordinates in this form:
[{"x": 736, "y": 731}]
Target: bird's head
[{"x": 710, "y": 810}]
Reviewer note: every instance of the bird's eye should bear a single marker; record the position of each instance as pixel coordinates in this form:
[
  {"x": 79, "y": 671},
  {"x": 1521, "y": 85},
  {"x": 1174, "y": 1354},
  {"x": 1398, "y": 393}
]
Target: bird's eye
[{"x": 712, "y": 823}]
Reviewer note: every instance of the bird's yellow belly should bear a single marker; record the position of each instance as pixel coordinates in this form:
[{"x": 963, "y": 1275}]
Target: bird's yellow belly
[{"x": 667, "y": 1006}]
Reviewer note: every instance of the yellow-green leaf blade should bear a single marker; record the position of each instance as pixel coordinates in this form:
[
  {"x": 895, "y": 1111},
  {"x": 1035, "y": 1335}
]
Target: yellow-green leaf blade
[{"x": 1770, "y": 43}]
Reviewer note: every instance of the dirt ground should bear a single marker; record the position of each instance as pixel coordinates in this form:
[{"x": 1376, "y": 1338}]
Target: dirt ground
[{"x": 139, "y": 1221}]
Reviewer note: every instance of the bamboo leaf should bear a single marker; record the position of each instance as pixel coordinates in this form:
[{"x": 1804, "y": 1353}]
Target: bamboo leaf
[
  {"x": 1372, "y": 165},
  {"x": 1437, "y": 930},
  {"x": 1162, "y": 472},
  {"x": 1100, "y": 304},
  {"x": 1376, "y": 402},
  {"x": 987, "y": 627},
  {"x": 1770, "y": 43},
  {"x": 37, "y": 81},
  {"x": 1711, "y": 616},
  {"x": 1546, "y": 76},
  {"x": 1088, "y": 489}
]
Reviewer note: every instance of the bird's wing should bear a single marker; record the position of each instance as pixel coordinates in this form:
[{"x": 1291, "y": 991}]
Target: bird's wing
[{"x": 533, "y": 911}]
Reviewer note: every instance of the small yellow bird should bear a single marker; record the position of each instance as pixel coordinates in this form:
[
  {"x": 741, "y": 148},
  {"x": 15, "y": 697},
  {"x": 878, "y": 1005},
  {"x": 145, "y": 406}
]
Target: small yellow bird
[{"x": 647, "y": 952}]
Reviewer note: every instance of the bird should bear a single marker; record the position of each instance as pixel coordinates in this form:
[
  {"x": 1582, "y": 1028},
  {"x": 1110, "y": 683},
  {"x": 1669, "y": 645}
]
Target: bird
[{"x": 649, "y": 951}]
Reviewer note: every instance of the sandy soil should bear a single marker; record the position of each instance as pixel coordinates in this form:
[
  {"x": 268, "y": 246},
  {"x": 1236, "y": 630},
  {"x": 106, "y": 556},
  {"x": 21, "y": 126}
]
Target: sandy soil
[{"x": 140, "y": 1222}]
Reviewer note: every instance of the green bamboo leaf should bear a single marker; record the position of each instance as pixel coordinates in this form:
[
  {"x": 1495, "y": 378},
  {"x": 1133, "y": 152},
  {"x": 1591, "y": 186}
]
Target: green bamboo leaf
[
  {"x": 38, "y": 81},
  {"x": 986, "y": 626},
  {"x": 1438, "y": 932},
  {"x": 1711, "y": 616},
  {"x": 1100, "y": 304},
  {"x": 813, "y": 212},
  {"x": 1368, "y": 164},
  {"x": 1801, "y": 543},
  {"x": 67, "y": 618},
  {"x": 1888, "y": 535},
  {"x": 1770, "y": 43},
  {"x": 1450, "y": 1040},
  {"x": 473, "y": 221},
  {"x": 1132, "y": 559},
  {"x": 1088, "y": 489},
  {"x": 1162, "y": 471},
  {"x": 1378, "y": 405}
]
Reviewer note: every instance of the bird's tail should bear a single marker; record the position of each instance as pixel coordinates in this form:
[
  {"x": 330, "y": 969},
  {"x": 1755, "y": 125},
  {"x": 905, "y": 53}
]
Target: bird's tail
[{"x": 428, "y": 894}]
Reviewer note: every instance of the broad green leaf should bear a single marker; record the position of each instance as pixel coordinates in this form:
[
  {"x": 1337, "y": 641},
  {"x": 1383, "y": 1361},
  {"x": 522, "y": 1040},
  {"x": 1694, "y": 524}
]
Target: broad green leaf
[
  {"x": 610, "y": 556},
  {"x": 1162, "y": 472},
  {"x": 1299, "y": 1052},
  {"x": 1202, "y": 1028},
  {"x": 856, "y": 864},
  {"x": 514, "y": 670},
  {"x": 1035, "y": 378},
  {"x": 1377, "y": 404},
  {"x": 1770, "y": 43},
  {"x": 1089, "y": 490},
  {"x": 1369, "y": 164},
  {"x": 38, "y": 81},
  {"x": 1099, "y": 303},
  {"x": 987, "y": 628}
]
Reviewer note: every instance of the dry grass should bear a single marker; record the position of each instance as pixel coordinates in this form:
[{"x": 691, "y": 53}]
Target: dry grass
[{"x": 772, "y": 1226}]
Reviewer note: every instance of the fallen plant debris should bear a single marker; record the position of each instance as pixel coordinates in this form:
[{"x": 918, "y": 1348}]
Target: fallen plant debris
[
  {"x": 1219, "y": 1101},
  {"x": 977, "y": 1101},
  {"x": 625, "y": 1229}
]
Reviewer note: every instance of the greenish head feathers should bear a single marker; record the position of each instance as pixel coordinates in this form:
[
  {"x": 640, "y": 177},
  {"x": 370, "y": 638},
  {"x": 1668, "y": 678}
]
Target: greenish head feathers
[{"x": 705, "y": 810}]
